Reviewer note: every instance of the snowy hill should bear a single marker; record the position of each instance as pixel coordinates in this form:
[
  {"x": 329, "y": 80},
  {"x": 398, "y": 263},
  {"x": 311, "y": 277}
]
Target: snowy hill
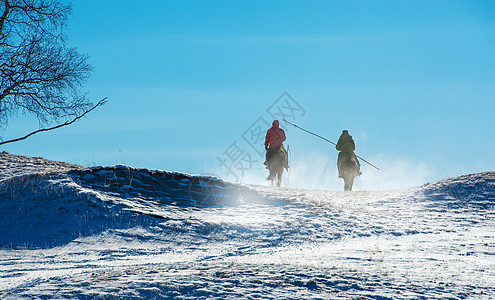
[{"x": 122, "y": 232}]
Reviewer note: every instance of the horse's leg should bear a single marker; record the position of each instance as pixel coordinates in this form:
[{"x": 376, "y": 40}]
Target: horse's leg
[
  {"x": 270, "y": 175},
  {"x": 346, "y": 182}
]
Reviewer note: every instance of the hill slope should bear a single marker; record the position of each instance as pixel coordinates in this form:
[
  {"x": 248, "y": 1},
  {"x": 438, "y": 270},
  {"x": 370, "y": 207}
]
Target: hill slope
[{"x": 70, "y": 232}]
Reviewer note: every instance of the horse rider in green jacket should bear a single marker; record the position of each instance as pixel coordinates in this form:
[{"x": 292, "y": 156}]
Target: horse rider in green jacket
[{"x": 346, "y": 147}]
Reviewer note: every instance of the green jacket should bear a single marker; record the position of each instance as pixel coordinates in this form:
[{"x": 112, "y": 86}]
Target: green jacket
[{"x": 345, "y": 143}]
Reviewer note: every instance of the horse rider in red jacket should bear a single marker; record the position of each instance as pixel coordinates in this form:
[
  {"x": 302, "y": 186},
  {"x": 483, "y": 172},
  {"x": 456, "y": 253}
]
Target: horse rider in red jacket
[{"x": 274, "y": 139}]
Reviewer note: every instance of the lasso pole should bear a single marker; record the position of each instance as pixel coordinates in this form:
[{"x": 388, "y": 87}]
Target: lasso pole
[{"x": 329, "y": 142}]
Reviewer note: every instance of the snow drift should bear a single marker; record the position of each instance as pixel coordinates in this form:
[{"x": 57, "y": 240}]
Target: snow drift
[
  {"x": 70, "y": 232},
  {"x": 51, "y": 209}
]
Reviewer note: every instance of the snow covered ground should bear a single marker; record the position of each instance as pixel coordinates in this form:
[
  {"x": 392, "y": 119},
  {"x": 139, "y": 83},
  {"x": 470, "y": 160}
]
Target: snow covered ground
[{"x": 121, "y": 232}]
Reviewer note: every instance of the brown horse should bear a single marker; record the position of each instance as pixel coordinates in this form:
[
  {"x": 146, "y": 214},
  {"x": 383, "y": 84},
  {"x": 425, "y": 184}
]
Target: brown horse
[
  {"x": 276, "y": 165},
  {"x": 349, "y": 169}
]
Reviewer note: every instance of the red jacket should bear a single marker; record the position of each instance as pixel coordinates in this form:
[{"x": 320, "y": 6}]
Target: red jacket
[{"x": 275, "y": 136}]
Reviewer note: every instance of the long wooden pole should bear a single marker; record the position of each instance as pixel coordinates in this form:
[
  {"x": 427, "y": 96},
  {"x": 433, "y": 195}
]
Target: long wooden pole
[{"x": 329, "y": 142}]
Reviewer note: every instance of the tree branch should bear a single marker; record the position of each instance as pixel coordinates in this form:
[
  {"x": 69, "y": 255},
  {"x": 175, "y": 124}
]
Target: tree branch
[
  {"x": 100, "y": 103},
  {"x": 4, "y": 16}
]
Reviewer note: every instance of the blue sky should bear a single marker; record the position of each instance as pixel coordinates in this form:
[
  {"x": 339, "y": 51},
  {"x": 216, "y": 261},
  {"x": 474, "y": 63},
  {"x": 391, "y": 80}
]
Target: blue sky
[{"x": 413, "y": 82}]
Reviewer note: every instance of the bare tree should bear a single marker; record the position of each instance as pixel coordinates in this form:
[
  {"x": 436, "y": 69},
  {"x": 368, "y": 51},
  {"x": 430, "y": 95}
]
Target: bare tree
[{"x": 40, "y": 75}]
